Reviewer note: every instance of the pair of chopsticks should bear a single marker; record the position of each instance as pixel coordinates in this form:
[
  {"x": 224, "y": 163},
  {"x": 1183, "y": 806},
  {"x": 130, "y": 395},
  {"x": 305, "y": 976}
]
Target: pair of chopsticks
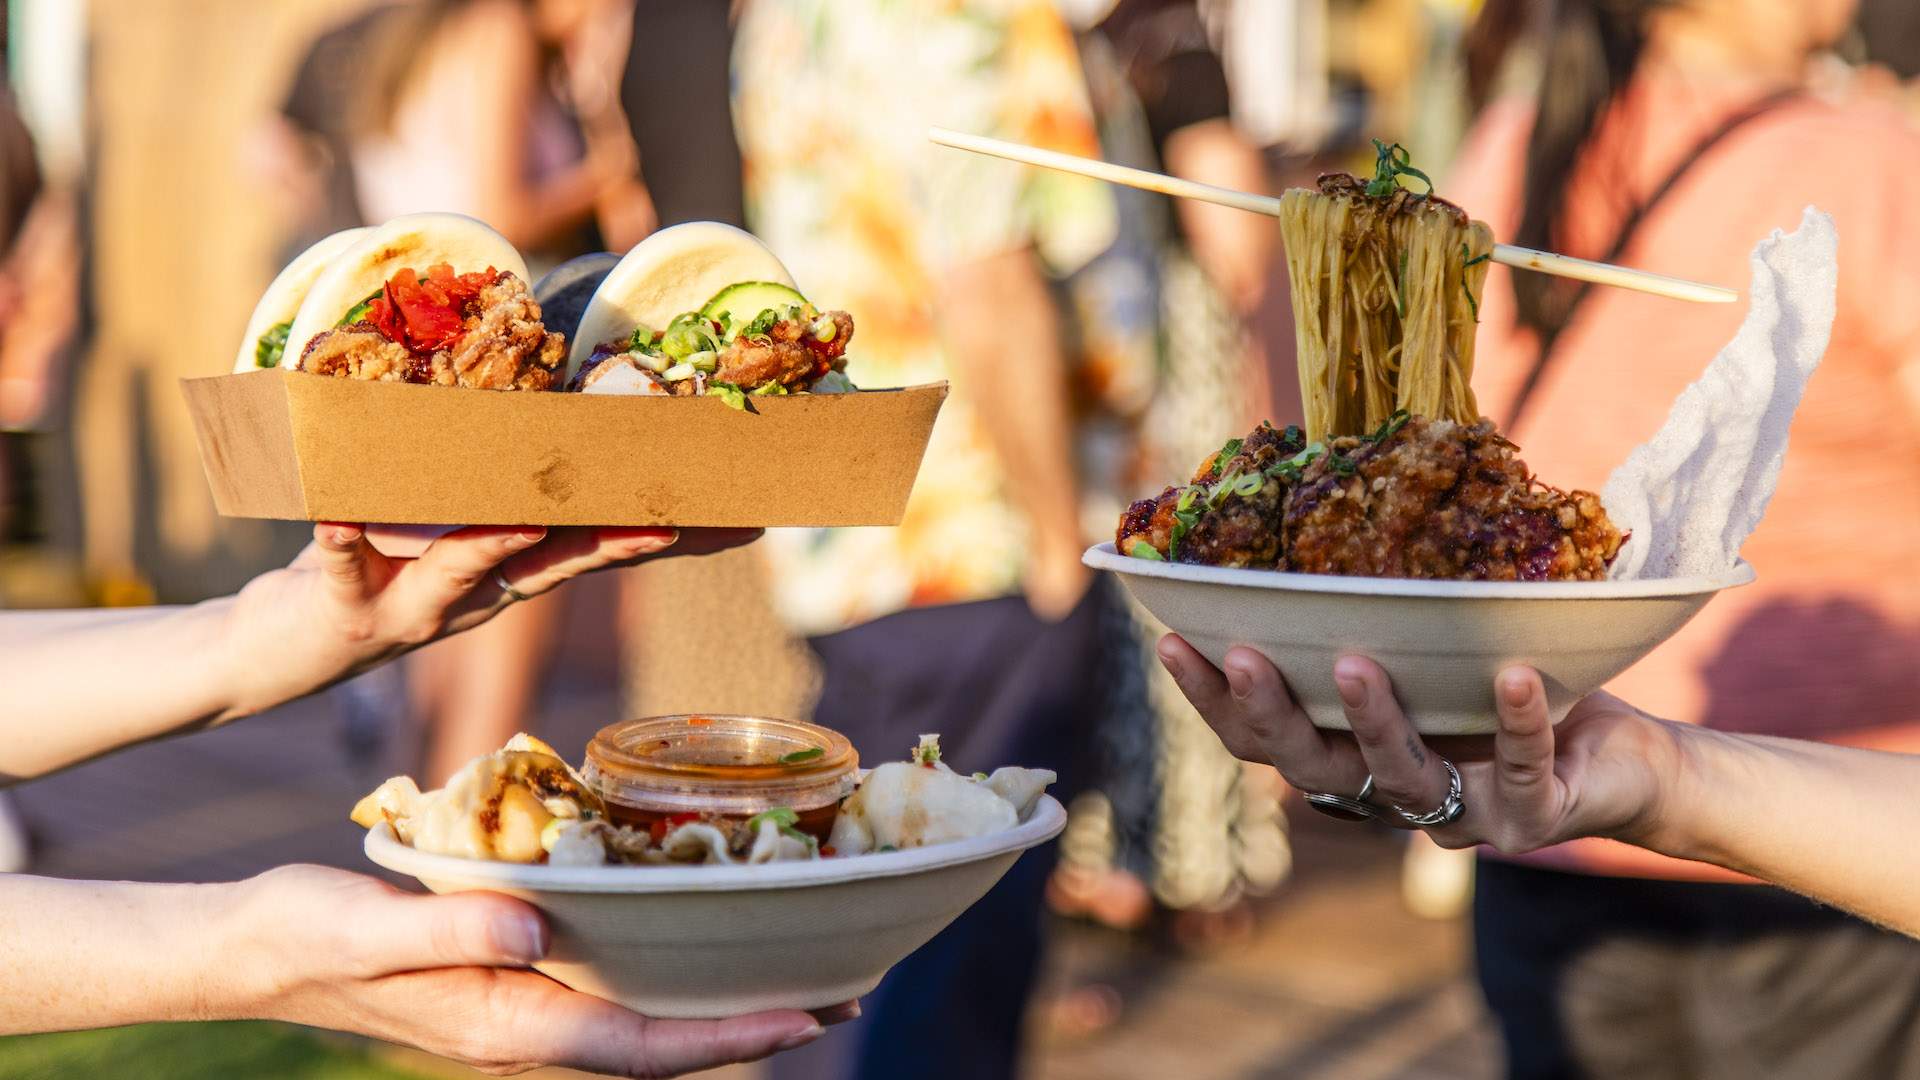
[{"x": 1546, "y": 262}]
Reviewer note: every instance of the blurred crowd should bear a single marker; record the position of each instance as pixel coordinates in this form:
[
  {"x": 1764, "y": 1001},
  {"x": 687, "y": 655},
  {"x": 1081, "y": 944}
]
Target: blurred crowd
[{"x": 159, "y": 161}]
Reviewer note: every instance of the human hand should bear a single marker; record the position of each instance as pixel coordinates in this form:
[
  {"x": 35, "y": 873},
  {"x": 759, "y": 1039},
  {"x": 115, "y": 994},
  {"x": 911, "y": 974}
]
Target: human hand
[
  {"x": 1604, "y": 771},
  {"x": 448, "y": 974},
  {"x": 342, "y": 607}
]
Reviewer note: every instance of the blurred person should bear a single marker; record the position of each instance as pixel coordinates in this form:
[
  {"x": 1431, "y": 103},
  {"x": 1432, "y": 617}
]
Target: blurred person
[
  {"x": 1161, "y": 95},
  {"x": 675, "y": 616},
  {"x": 311, "y": 944},
  {"x": 538, "y": 149},
  {"x": 973, "y": 618},
  {"x": 1673, "y": 136}
]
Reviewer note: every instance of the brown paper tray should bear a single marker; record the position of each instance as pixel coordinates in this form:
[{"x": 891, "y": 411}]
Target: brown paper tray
[{"x": 279, "y": 444}]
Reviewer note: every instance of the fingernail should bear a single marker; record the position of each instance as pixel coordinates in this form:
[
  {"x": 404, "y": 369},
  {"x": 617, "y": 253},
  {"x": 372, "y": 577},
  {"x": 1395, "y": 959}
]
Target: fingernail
[
  {"x": 1239, "y": 682},
  {"x": 1352, "y": 691},
  {"x": 802, "y": 1037},
  {"x": 520, "y": 937},
  {"x": 527, "y": 537},
  {"x": 345, "y": 535},
  {"x": 1517, "y": 689},
  {"x": 1169, "y": 658}
]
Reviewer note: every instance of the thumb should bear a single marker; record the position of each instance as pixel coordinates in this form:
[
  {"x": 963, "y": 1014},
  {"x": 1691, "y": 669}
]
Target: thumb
[
  {"x": 474, "y": 929},
  {"x": 1523, "y": 747}
]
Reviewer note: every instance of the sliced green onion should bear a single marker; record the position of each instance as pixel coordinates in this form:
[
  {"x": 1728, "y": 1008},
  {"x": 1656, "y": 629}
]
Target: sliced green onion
[
  {"x": 679, "y": 372},
  {"x": 706, "y": 360},
  {"x": 1249, "y": 485},
  {"x": 1185, "y": 502},
  {"x": 1140, "y": 549},
  {"x": 783, "y": 816},
  {"x": 653, "y": 362},
  {"x": 825, "y": 329},
  {"x": 1226, "y": 453}
]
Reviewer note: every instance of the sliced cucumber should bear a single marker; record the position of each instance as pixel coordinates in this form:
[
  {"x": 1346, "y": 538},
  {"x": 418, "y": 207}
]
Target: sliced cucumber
[{"x": 742, "y": 301}]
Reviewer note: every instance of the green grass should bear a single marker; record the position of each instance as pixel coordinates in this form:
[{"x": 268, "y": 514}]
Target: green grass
[{"x": 240, "y": 1051}]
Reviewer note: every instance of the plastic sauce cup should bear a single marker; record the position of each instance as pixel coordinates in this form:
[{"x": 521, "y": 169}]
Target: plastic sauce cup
[{"x": 657, "y": 771}]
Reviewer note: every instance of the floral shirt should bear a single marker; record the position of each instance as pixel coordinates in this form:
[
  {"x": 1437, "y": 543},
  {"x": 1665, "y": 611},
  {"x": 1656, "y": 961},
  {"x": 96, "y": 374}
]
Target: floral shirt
[{"x": 832, "y": 101}]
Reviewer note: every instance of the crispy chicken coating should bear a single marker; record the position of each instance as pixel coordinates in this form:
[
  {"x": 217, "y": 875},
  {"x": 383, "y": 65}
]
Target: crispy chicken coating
[
  {"x": 503, "y": 346},
  {"x": 1425, "y": 499},
  {"x": 1437, "y": 499}
]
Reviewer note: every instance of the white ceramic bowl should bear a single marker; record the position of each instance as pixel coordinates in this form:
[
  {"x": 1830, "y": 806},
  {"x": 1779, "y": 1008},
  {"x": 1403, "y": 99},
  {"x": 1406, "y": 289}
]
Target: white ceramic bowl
[
  {"x": 1441, "y": 641},
  {"x": 716, "y": 941}
]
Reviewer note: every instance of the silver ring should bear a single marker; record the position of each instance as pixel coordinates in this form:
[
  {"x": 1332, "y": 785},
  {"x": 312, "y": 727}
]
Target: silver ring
[
  {"x": 1447, "y": 812},
  {"x": 1339, "y": 806},
  {"x": 506, "y": 587}
]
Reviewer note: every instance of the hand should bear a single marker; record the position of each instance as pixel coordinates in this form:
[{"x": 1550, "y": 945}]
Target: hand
[
  {"x": 1604, "y": 771},
  {"x": 448, "y": 974},
  {"x": 343, "y": 607}
]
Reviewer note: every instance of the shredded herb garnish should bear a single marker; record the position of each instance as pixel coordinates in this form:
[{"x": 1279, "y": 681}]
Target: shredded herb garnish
[
  {"x": 1226, "y": 453},
  {"x": 1342, "y": 465},
  {"x": 1391, "y": 163},
  {"x": 1464, "y": 286},
  {"x": 928, "y": 752},
  {"x": 1393, "y": 423},
  {"x": 762, "y": 324}
]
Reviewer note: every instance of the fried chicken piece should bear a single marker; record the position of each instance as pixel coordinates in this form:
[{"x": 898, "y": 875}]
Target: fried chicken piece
[
  {"x": 358, "y": 352},
  {"x": 1229, "y": 519},
  {"x": 502, "y": 346},
  {"x": 1437, "y": 499},
  {"x": 791, "y": 355},
  {"x": 505, "y": 345}
]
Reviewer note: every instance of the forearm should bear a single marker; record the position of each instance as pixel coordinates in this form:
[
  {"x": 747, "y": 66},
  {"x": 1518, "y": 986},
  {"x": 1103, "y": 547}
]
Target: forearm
[
  {"x": 1831, "y": 822},
  {"x": 87, "y": 954},
  {"x": 1003, "y": 340},
  {"x": 77, "y": 684}
]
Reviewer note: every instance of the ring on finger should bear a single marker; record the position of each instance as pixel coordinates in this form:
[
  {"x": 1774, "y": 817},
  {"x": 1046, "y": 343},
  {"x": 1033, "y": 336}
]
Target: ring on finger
[
  {"x": 1346, "y": 809},
  {"x": 506, "y": 588},
  {"x": 1447, "y": 812}
]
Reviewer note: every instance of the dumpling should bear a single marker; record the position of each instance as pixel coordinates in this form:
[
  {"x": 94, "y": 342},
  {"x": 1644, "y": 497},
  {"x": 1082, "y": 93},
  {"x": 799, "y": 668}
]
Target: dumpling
[
  {"x": 497, "y": 807},
  {"x": 910, "y": 806},
  {"x": 1021, "y": 787}
]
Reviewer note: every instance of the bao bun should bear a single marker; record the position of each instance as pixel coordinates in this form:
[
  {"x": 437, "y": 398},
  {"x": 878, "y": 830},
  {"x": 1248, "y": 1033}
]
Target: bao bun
[
  {"x": 412, "y": 240},
  {"x": 674, "y": 271},
  {"x": 283, "y": 297}
]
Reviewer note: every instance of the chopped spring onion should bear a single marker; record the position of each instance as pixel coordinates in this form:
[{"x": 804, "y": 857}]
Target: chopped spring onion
[
  {"x": 1249, "y": 484},
  {"x": 1226, "y": 453},
  {"x": 653, "y": 362},
  {"x": 1140, "y": 549},
  {"x": 706, "y": 360},
  {"x": 825, "y": 329},
  {"x": 678, "y": 372}
]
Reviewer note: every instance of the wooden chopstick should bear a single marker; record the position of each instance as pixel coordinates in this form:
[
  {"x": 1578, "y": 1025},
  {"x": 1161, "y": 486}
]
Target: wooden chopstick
[{"x": 1545, "y": 262}]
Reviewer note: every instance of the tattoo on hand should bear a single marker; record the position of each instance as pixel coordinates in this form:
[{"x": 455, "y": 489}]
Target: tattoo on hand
[{"x": 1415, "y": 751}]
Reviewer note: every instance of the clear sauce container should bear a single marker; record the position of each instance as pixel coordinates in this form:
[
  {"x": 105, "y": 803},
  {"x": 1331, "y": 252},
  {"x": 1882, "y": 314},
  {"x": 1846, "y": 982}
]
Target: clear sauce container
[{"x": 657, "y": 772}]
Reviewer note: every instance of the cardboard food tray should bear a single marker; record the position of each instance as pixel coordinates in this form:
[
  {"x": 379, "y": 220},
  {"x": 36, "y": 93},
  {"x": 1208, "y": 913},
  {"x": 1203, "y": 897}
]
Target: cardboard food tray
[{"x": 285, "y": 444}]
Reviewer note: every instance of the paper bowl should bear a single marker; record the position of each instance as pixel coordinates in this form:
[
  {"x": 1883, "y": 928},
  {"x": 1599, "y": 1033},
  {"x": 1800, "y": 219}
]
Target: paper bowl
[
  {"x": 717, "y": 941},
  {"x": 1442, "y": 642}
]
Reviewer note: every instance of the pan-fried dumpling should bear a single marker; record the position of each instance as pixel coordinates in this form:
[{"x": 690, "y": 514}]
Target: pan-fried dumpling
[{"x": 497, "y": 807}]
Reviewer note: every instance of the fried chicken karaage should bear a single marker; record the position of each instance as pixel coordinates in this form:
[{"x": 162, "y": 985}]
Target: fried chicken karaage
[{"x": 1419, "y": 498}]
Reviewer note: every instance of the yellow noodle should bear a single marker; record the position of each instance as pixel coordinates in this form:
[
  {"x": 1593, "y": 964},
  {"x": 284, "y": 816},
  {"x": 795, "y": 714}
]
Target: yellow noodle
[{"x": 1371, "y": 336}]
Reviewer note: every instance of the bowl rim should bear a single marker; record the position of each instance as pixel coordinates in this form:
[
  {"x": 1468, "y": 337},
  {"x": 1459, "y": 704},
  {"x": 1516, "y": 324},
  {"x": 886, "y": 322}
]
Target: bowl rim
[
  {"x": 384, "y": 849},
  {"x": 1103, "y": 557}
]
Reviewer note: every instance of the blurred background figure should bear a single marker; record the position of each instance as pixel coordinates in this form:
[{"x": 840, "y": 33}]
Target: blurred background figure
[
  {"x": 1668, "y": 135},
  {"x": 1173, "y": 818},
  {"x": 508, "y": 111},
  {"x": 974, "y": 618}
]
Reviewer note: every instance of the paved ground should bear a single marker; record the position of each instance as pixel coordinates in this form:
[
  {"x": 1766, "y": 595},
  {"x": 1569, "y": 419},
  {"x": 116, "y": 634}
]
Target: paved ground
[{"x": 1337, "y": 980}]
